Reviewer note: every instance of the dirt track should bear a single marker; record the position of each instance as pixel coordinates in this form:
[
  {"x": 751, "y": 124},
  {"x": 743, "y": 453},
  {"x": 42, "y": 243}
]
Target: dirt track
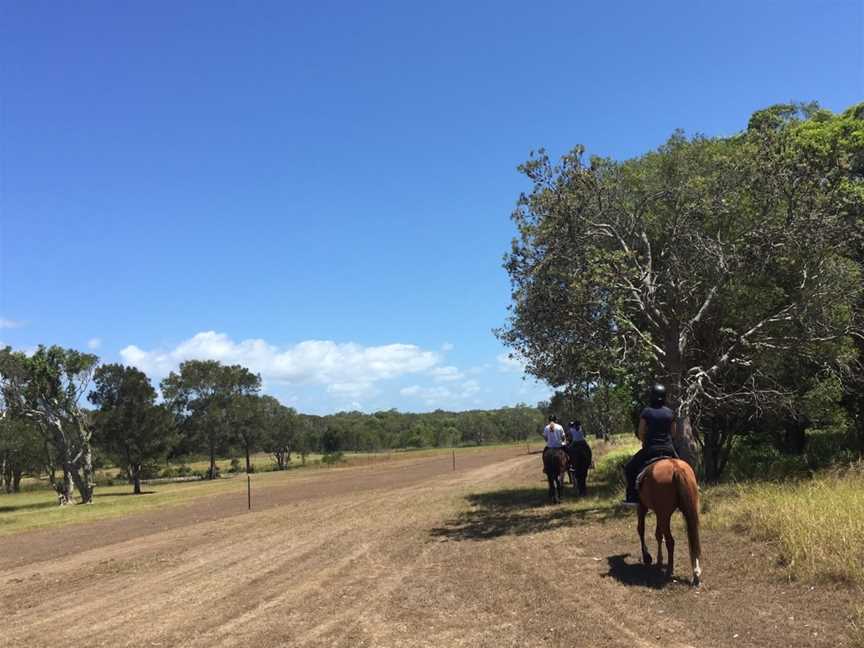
[{"x": 403, "y": 554}]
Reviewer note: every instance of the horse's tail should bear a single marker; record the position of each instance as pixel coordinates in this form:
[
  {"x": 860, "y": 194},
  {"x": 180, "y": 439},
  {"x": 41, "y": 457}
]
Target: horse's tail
[{"x": 688, "y": 502}]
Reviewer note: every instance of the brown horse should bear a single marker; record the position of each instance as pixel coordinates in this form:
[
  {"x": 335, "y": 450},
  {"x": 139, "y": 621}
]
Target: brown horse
[
  {"x": 555, "y": 464},
  {"x": 670, "y": 484}
]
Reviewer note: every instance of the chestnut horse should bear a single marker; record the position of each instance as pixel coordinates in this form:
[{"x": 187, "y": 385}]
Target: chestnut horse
[
  {"x": 555, "y": 464},
  {"x": 666, "y": 485}
]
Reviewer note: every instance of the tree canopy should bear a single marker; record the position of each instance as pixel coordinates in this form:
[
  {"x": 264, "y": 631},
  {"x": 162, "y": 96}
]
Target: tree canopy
[{"x": 724, "y": 267}]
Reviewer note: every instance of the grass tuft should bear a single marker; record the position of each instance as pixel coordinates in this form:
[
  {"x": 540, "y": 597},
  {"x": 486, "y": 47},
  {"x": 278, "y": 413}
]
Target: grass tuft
[{"x": 817, "y": 524}]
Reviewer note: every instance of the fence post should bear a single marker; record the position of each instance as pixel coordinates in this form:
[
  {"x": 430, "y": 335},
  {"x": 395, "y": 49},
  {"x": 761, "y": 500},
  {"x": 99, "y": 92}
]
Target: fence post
[
  {"x": 249, "y": 490},
  {"x": 454, "y": 459}
]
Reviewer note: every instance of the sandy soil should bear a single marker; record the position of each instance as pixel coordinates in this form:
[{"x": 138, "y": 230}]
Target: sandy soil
[{"x": 407, "y": 554}]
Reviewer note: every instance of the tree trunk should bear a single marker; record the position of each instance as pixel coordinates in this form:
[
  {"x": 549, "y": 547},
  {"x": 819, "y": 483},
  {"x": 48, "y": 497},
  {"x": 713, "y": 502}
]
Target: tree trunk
[
  {"x": 50, "y": 464},
  {"x": 64, "y": 489},
  {"x": 6, "y": 475},
  {"x": 248, "y": 462},
  {"x": 794, "y": 435},
  {"x": 136, "y": 479},
  {"x": 16, "y": 480},
  {"x": 211, "y": 473},
  {"x": 711, "y": 455},
  {"x": 80, "y": 481}
]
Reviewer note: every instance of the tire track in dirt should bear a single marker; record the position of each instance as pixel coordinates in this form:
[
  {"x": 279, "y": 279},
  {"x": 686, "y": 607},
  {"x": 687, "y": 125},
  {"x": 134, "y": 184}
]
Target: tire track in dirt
[{"x": 472, "y": 558}]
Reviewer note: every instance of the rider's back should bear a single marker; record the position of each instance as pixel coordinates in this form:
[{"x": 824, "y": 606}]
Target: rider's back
[{"x": 658, "y": 432}]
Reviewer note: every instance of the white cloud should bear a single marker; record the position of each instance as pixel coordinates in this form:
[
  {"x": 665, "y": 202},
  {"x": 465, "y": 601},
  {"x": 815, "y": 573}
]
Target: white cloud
[
  {"x": 446, "y": 374},
  {"x": 508, "y": 364},
  {"x": 441, "y": 394},
  {"x": 469, "y": 387},
  {"x": 6, "y": 323},
  {"x": 348, "y": 369},
  {"x": 352, "y": 389},
  {"x": 94, "y": 343}
]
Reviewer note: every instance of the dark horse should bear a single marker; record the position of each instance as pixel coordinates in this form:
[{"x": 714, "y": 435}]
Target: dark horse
[
  {"x": 555, "y": 464},
  {"x": 580, "y": 461},
  {"x": 666, "y": 485}
]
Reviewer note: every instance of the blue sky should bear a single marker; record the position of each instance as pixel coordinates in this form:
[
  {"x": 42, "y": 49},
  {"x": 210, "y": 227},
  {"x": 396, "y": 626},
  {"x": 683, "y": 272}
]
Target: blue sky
[{"x": 322, "y": 190}]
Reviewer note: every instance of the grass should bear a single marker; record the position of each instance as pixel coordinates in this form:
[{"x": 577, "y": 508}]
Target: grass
[
  {"x": 36, "y": 507},
  {"x": 817, "y": 524}
]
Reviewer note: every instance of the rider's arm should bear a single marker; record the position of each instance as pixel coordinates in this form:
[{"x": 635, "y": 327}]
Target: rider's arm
[{"x": 643, "y": 428}]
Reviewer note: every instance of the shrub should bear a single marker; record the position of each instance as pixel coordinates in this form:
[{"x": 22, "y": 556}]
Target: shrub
[
  {"x": 610, "y": 467},
  {"x": 333, "y": 458},
  {"x": 235, "y": 466}
]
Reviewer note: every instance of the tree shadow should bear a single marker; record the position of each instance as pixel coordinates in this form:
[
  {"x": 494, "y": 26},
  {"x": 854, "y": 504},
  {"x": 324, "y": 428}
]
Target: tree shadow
[
  {"x": 29, "y": 507},
  {"x": 637, "y": 574},
  {"x": 109, "y": 495},
  {"x": 521, "y": 511}
]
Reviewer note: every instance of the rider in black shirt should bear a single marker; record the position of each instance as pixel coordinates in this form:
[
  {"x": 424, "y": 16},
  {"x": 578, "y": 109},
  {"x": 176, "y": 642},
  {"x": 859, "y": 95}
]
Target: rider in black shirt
[{"x": 655, "y": 431}]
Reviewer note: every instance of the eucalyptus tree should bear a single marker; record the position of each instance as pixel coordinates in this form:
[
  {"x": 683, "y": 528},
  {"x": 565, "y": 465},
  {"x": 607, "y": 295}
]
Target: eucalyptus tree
[
  {"x": 129, "y": 426},
  {"x": 281, "y": 427},
  {"x": 46, "y": 388},
  {"x": 21, "y": 451},
  {"x": 206, "y": 397},
  {"x": 696, "y": 264}
]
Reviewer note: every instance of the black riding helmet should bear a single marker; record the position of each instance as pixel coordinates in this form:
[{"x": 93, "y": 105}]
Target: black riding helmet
[
  {"x": 657, "y": 395},
  {"x": 553, "y": 418}
]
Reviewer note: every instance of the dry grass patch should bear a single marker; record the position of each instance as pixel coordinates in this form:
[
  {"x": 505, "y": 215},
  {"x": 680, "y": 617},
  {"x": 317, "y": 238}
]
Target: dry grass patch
[{"x": 817, "y": 525}]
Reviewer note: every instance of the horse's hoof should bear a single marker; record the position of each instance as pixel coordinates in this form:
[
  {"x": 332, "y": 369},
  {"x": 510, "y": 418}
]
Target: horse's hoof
[
  {"x": 697, "y": 582},
  {"x": 646, "y": 558}
]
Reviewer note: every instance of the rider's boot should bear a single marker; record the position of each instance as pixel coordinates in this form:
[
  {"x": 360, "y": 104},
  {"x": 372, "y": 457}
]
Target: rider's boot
[{"x": 632, "y": 498}]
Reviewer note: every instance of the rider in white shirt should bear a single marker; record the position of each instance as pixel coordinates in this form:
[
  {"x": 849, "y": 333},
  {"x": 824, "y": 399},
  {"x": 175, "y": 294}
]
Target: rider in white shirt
[{"x": 554, "y": 433}]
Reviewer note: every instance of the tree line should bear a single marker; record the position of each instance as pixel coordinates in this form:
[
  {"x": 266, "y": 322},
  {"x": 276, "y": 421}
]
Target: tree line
[
  {"x": 728, "y": 268},
  {"x": 206, "y": 408}
]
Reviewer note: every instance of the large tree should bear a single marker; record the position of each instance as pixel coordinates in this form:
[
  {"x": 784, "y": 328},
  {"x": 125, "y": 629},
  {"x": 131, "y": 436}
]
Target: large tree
[
  {"x": 46, "y": 388},
  {"x": 280, "y": 427},
  {"x": 21, "y": 451},
  {"x": 204, "y": 396},
  {"x": 696, "y": 264},
  {"x": 129, "y": 425}
]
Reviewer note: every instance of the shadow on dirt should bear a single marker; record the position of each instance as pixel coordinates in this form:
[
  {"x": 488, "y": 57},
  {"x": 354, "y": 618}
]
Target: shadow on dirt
[
  {"x": 519, "y": 511},
  {"x": 638, "y": 575}
]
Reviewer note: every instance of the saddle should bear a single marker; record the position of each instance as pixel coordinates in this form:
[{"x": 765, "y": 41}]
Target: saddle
[{"x": 644, "y": 470}]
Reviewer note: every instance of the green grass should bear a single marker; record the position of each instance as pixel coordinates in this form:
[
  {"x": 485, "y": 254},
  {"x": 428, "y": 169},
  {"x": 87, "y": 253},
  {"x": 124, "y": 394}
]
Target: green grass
[
  {"x": 36, "y": 507},
  {"x": 817, "y": 524},
  {"x": 608, "y": 468}
]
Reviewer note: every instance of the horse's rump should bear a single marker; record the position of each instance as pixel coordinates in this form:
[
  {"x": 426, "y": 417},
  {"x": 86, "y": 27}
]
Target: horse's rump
[
  {"x": 554, "y": 461},
  {"x": 580, "y": 456},
  {"x": 646, "y": 468}
]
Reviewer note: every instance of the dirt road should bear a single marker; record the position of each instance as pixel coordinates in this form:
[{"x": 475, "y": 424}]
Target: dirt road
[{"x": 397, "y": 555}]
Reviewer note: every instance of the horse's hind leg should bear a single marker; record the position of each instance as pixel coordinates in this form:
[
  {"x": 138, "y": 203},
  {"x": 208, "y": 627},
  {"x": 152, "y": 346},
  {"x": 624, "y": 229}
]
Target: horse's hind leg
[
  {"x": 658, "y": 534},
  {"x": 666, "y": 530},
  {"x": 640, "y": 527}
]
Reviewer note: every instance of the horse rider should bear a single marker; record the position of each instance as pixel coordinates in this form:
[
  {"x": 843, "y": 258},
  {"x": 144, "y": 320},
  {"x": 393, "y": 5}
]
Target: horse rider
[
  {"x": 576, "y": 440},
  {"x": 655, "y": 432},
  {"x": 554, "y": 435}
]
